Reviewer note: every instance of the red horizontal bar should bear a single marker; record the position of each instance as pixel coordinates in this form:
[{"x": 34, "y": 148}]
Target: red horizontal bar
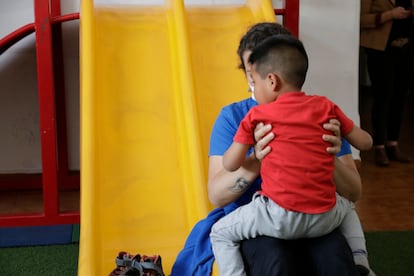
[
  {"x": 16, "y": 182},
  {"x": 290, "y": 16},
  {"x": 63, "y": 18},
  {"x": 10, "y": 182},
  {"x": 280, "y": 11},
  {"x": 38, "y": 219},
  {"x": 12, "y": 38}
]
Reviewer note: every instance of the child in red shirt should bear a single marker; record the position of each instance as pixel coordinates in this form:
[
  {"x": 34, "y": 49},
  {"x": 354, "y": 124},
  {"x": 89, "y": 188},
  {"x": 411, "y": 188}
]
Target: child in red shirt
[{"x": 298, "y": 197}]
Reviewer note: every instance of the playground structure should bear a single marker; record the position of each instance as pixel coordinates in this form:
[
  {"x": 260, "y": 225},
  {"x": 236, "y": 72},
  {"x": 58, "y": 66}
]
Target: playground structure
[
  {"x": 47, "y": 26},
  {"x": 52, "y": 108},
  {"x": 152, "y": 82}
]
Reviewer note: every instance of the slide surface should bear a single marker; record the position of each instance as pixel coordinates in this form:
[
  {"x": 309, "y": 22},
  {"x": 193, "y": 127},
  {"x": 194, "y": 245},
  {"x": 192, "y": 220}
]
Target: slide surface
[{"x": 153, "y": 80}]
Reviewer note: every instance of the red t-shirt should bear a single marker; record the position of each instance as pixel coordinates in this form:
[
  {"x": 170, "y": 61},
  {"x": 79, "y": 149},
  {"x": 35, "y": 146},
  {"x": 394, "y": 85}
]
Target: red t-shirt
[{"x": 298, "y": 173}]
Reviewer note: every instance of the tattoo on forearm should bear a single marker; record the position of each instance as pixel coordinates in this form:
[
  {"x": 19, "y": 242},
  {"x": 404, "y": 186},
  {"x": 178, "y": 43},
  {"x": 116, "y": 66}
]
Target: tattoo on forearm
[{"x": 240, "y": 185}]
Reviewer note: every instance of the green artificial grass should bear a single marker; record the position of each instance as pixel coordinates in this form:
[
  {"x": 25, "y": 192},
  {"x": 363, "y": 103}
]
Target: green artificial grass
[
  {"x": 390, "y": 254},
  {"x": 53, "y": 260}
]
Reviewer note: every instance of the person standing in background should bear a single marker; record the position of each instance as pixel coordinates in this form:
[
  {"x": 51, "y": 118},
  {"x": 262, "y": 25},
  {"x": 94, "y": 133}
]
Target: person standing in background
[{"x": 387, "y": 32}]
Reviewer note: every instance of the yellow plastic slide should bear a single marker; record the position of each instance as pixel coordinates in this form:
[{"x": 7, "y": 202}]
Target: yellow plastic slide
[{"x": 153, "y": 80}]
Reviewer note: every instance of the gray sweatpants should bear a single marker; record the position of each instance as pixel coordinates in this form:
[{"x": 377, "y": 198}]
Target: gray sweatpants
[{"x": 263, "y": 217}]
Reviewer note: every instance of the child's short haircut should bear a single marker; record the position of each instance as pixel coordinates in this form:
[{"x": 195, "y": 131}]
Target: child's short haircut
[{"x": 282, "y": 54}]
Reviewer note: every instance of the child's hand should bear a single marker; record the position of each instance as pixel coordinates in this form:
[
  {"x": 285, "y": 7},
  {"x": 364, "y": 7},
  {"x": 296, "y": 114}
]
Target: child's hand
[{"x": 262, "y": 136}]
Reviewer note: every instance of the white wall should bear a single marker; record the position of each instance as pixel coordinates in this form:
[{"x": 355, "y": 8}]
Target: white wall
[
  {"x": 328, "y": 28},
  {"x": 19, "y": 114},
  {"x": 19, "y": 139}
]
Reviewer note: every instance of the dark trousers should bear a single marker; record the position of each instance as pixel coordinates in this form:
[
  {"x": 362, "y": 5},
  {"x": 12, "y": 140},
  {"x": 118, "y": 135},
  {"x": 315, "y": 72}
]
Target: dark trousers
[
  {"x": 323, "y": 256},
  {"x": 389, "y": 72}
]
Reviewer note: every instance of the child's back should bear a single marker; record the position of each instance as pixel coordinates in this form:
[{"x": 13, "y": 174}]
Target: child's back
[{"x": 298, "y": 172}]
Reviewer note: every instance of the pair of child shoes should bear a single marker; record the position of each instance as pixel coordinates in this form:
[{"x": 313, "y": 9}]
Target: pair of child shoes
[{"x": 137, "y": 265}]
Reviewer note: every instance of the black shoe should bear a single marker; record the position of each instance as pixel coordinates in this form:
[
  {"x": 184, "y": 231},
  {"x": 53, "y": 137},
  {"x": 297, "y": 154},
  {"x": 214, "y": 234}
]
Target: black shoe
[
  {"x": 394, "y": 153},
  {"x": 381, "y": 158}
]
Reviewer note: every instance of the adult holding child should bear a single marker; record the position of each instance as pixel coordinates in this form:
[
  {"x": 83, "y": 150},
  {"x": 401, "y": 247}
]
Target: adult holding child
[
  {"x": 298, "y": 197},
  {"x": 326, "y": 255},
  {"x": 387, "y": 34}
]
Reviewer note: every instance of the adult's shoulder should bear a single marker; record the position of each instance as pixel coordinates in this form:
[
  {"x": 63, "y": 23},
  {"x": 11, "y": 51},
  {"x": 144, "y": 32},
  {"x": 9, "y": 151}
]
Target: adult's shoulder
[
  {"x": 238, "y": 110},
  {"x": 226, "y": 125}
]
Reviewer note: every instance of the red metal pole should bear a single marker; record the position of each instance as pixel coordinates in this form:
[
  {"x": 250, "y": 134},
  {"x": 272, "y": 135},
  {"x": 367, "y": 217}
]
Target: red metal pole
[
  {"x": 59, "y": 89},
  {"x": 44, "y": 54},
  {"x": 291, "y": 18}
]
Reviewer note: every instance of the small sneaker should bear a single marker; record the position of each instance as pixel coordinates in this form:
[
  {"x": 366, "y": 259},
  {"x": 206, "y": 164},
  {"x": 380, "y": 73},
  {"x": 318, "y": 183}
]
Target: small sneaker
[{"x": 137, "y": 265}]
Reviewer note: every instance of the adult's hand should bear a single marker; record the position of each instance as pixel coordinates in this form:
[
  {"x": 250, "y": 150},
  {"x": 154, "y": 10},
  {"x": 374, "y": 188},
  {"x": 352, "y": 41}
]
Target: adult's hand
[
  {"x": 262, "y": 136},
  {"x": 335, "y": 139}
]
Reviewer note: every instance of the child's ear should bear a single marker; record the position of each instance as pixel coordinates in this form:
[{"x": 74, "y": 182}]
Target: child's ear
[{"x": 274, "y": 81}]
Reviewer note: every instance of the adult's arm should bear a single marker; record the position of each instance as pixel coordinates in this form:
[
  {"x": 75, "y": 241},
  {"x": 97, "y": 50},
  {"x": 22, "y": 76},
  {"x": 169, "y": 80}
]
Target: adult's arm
[
  {"x": 224, "y": 186},
  {"x": 371, "y": 18},
  {"x": 347, "y": 178}
]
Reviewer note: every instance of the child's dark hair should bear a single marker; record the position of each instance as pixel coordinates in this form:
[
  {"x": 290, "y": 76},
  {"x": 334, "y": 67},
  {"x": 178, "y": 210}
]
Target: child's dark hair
[
  {"x": 283, "y": 54},
  {"x": 256, "y": 34}
]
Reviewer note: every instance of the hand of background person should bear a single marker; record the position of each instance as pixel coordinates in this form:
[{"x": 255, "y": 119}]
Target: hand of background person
[{"x": 401, "y": 13}]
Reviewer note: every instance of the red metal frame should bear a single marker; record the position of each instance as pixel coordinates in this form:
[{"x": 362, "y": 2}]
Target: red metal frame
[
  {"x": 55, "y": 173},
  {"x": 290, "y": 15},
  {"x": 51, "y": 96}
]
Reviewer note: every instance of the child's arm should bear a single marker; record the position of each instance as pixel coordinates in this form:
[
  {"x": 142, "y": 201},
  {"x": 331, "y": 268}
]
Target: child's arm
[
  {"x": 359, "y": 138},
  {"x": 234, "y": 157}
]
